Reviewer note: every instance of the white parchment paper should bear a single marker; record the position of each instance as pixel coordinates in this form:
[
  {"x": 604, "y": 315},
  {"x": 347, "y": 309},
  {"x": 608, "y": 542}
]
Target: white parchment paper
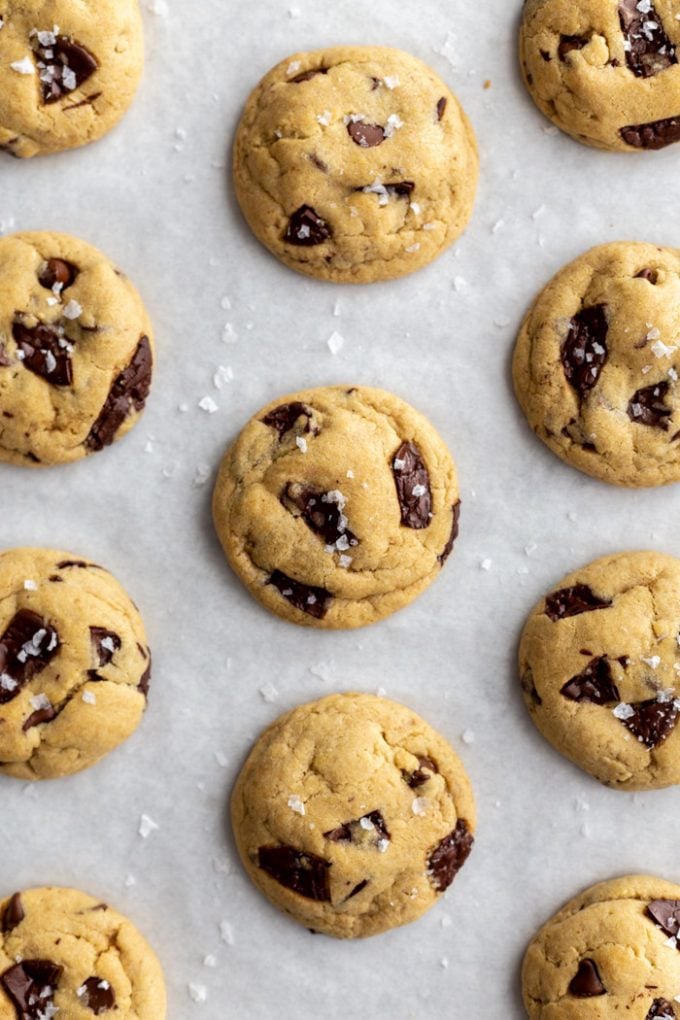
[{"x": 155, "y": 195}]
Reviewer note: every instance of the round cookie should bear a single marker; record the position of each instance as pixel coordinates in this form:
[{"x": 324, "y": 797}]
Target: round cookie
[
  {"x": 76, "y": 350},
  {"x": 68, "y": 72},
  {"x": 74, "y": 664},
  {"x": 353, "y": 815},
  {"x": 355, "y": 164},
  {"x": 610, "y": 952},
  {"x": 63, "y": 953},
  {"x": 599, "y": 663},
  {"x": 597, "y": 361},
  {"x": 605, "y": 72},
  {"x": 337, "y": 506}
]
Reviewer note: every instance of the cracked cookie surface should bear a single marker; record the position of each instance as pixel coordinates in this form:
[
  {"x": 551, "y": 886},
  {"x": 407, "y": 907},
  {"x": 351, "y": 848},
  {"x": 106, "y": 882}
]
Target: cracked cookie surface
[
  {"x": 355, "y": 164},
  {"x": 597, "y": 362},
  {"x": 65, "y": 954},
  {"x": 74, "y": 664},
  {"x": 76, "y": 350},
  {"x": 610, "y": 952},
  {"x": 352, "y": 815},
  {"x": 337, "y": 506},
  {"x": 605, "y": 72},
  {"x": 68, "y": 72},
  {"x": 599, "y": 665}
]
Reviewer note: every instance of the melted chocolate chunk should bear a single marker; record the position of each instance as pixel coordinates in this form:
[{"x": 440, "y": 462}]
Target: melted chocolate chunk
[
  {"x": 649, "y": 50},
  {"x": 45, "y": 352},
  {"x": 97, "y": 995},
  {"x": 656, "y": 134},
  {"x": 455, "y": 528},
  {"x": 426, "y": 769},
  {"x": 665, "y": 913},
  {"x": 568, "y": 43},
  {"x": 63, "y": 65},
  {"x": 661, "y": 1009},
  {"x": 321, "y": 513},
  {"x": 357, "y": 889},
  {"x": 26, "y": 647},
  {"x": 413, "y": 487},
  {"x": 13, "y": 914},
  {"x": 594, "y": 684},
  {"x": 653, "y": 721},
  {"x": 284, "y": 417},
  {"x": 314, "y": 601},
  {"x": 369, "y": 829},
  {"x": 57, "y": 272},
  {"x": 449, "y": 856},
  {"x": 144, "y": 683},
  {"x": 400, "y": 189},
  {"x": 306, "y": 228},
  {"x": 647, "y": 407},
  {"x": 105, "y": 644},
  {"x": 307, "y": 75},
  {"x": 41, "y": 715},
  {"x": 306, "y": 874},
  {"x": 573, "y": 601},
  {"x": 368, "y": 136},
  {"x": 586, "y": 983},
  {"x": 130, "y": 390},
  {"x": 584, "y": 351},
  {"x": 441, "y": 107},
  {"x": 31, "y": 985}
]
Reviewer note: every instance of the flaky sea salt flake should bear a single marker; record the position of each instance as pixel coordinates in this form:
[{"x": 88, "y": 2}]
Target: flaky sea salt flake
[
  {"x": 198, "y": 993},
  {"x": 208, "y": 404},
  {"x": 335, "y": 342},
  {"x": 623, "y": 711},
  {"x": 24, "y": 66},
  {"x": 147, "y": 826},
  {"x": 296, "y": 805}
]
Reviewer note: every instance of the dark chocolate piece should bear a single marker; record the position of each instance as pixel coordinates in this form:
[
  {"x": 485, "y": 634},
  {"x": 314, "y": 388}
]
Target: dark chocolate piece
[
  {"x": 321, "y": 513},
  {"x": 566, "y": 602},
  {"x": 646, "y": 407},
  {"x": 13, "y": 914},
  {"x": 586, "y": 983},
  {"x": 584, "y": 352},
  {"x": 665, "y": 913},
  {"x": 311, "y": 600},
  {"x": 26, "y": 647},
  {"x": 41, "y": 715},
  {"x": 426, "y": 769},
  {"x": 413, "y": 487},
  {"x": 307, "y": 75},
  {"x": 63, "y": 66},
  {"x": 441, "y": 107},
  {"x": 653, "y": 721},
  {"x": 661, "y": 1009},
  {"x": 97, "y": 995},
  {"x": 655, "y": 134},
  {"x": 45, "y": 352},
  {"x": 374, "y": 833},
  {"x": 455, "y": 529},
  {"x": 594, "y": 684},
  {"x": 449, "y": 856},
  {"x": 284, "y": 417},
  {"x": 368, "y": 136},
  {"x": 649, "y": 51},
  {"x": 105, "y": 644},
  {"x": 306, "y": 874},
  {"x": 129, "y": 390},
  {"x": 31, "y": 985},
  {"x": 568, "y": 43},
  {"x": 57, "y": 272},
  {"x": 306, "y": 228}
]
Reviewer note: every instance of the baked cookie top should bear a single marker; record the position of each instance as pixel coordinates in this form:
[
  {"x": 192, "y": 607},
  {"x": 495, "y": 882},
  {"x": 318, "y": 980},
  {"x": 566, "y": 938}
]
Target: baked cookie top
[
  {"x": 76, "y": 350},
  {"x": 74, "y": 664},
  {"x": 600, "y": 669},
  {"x": 355, "y": 164},
  {"x": 597, "y": 361},
  {"x": 610, "y": 952},
  {"x": 353, "y": 815},
  {"x": 63, "y": 953},
  {"x": 68, "y": 71},
  {"x": 337, "y": 506},
  {"x": 606, "y": 72}
]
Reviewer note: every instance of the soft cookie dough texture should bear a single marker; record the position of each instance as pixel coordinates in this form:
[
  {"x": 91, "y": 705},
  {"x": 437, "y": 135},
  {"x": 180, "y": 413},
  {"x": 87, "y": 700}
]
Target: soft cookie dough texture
[
  {"x": 353, "y": 815},
  {"x": 337, "y": 506},
  {"x": 605, "y": 71},
  {"x": 74, "y": 664},
  {"x": 355, "y": 164},
  {"x": 611, "y": 952},
  {"x": 65, "y": 954},
  {"x": 68, "y": 71},
  {"x": 76, "y": 350},
  {"x": 600, "y": 669},
  {"x": 597, "y": 363}
]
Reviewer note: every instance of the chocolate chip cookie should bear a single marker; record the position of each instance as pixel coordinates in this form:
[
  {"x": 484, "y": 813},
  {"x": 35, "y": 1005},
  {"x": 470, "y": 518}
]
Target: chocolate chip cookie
[
  {"x": 68, "y": 72},
  {"x": 76, "y": 350},
  {"x": 353, "y": 815},
  {"x": 610, "y": 952},
  {"x": 600, "y": 669},
  {"x": 605, "y": 71},
  {"x": 74, "y": 664},
  {"x": 337, "y": 506},
  {"x": 65, "y": 954},
  {"x": 355, "y": 164},
  {"x": 597, "y": 361}
]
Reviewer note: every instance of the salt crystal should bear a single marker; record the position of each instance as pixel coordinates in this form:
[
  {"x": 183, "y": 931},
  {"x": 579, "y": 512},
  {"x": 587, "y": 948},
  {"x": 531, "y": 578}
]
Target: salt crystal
[
  {"x": 198, "y": 993},
  {"x": 202, "y": 474},
  {"x": 130, "y": 880},
  {"x": 24, "y": 66},
  {"x": 89, "y": 698},
  {"x": 662, "y": 350},
  {"x": 419, "y": 806},
  {"x": 221, "y": 759},
  {"x": 227, "y": 933},
  {"x": 146, "y": 826},
  {"x": 344, "y": 562},
  {"x": 366, "y": 824},
  {"x": 459, "y": 284},
  {"x": 30, "y": 585},
  {"x": 335, "y": 343},
  {"x": 336, "y": 309},
  {"x": 301, "y": 443},
  {"x": 468, "y": 737},
  {"x": 415, "y": 208},
  {"x": 412, "y": 248},
  {"x": 210, "y": 960},
  {"x": 623, "y": 711},
  {"x": 208, "y": 404},
  {"x": 229, "y": 334},
  {"x": 158, "y": 7},
  {"x": 293, "y": 67},
  {"x": 391, "y": 81},
  {"x": 224, "y": 374},
  {"x": 72, "y": 310},
  {"x": 269, "y": 693},
  {"x": 654, "y": 661},
  {"x": 225, "y": 303},
  {"x": 296, "y": 805},
  {"x": 324, "y": 118},
  {"x": 418, "y": 491},
  {"x": 40, "y": 701},
  {"x": 486, "y": 564}
]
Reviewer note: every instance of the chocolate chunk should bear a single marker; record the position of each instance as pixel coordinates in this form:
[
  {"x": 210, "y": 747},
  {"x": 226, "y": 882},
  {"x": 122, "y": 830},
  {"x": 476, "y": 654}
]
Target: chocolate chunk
[
  {"x": 63, "y": 65},
  {"x": 306, "y": 228},
  {"x": 368, "y": 136},
  {"x": 586, "y": 983},
  {"x": 13, "y": 914},
  {"x": 566, "y": 602},
  {"x": 79, "y": 564},
  {"x": 130, "y": 390},
  {"x": 665, "y": 913},
  {"x": 45, "y": 351},
  {"x": 594, "y": 684},
  {"x": 322, "y": 512},
  {"x": 529, "y": 687},
  {"x": 441, "y": 107},
  {"x": 57, "y": 272},
  {"x": 584, "y": 351},
  {"x": 105, "y": 644},
  {"x": 357, "y": 889},
  {"x": 306, "y": 874},
  {"x": 649, "y": 50},
  {"x": 449, "y": 856},
  {"x": 651, "y": 275},
  {"x": 400, "y": 189},
  {"x": 568, "y": 43},
  {"x": 284, "y": 417},
  {"x": 413, "y": 487},
  {"x": 647, "y": 407},
  {"x": 144, "y": 683},
  {"x": 41, "y": 715},
  {"x": 656, "y": 134},
  {"x": 314, "y": 601},
  {"x": 425, "y": 771},
  {"x": 97, "y": 995},
  {"x": 369, "y": 829},
  {"x": 26, "y": 647},
  {"x": 661, "y": 1009},
  {"x": 31, "y": 985},
  {"x": 307, "y": 75},
  {"x": 653, "y": 721},
  {"x": 318, "y": 163},
  {"x": 455, "y": 528}
]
